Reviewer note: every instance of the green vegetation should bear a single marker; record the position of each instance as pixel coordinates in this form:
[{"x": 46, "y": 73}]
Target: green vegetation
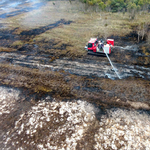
[{"x": 120, "y": 5}]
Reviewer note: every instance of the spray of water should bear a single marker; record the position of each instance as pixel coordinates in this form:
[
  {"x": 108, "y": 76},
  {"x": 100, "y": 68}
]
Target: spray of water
[{"x": 112, "y": 65}]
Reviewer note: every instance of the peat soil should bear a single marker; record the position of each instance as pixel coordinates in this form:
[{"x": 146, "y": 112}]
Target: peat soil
[
  {"x": 30, "y": 64},
  {"x": 32, "y": 71}
]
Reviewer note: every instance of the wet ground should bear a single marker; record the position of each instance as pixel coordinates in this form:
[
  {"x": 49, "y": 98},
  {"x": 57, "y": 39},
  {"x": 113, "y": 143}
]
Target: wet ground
[
  {"x": 86, "y": 67},
  {"x": 51, "y": 99}
]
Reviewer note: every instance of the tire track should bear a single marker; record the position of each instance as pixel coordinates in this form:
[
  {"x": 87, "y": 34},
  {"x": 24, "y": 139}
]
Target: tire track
[{"x": 82, "y": 68}]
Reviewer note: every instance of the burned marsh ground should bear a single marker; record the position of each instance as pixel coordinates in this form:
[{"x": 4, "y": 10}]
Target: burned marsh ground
[{"x": 53, "y": 95}]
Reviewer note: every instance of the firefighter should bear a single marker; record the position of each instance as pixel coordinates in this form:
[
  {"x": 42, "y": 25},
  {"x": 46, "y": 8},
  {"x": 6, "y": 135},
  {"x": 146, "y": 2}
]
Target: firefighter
[{"x": 100, "y": 46}]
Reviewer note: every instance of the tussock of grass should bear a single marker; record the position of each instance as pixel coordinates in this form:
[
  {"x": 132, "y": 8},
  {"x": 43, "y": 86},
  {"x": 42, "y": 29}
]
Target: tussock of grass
[
  {"x": 4, "y": 49},
  {"x": 18, "y": 43}
]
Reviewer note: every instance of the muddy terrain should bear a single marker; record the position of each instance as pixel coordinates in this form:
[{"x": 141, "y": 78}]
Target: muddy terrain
[{"x": 54, "y": 96}]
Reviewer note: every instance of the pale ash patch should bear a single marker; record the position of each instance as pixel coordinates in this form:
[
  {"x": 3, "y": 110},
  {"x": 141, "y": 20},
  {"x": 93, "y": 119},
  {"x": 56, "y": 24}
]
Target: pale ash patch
[
  {"x": 124, "y": 130},
  {"x": 8, "y": 97},
  {"x": 52, "y": 125}
]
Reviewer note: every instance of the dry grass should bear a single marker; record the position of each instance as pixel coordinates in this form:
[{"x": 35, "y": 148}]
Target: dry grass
[
  {"x": 81, "y": 30},
  {"x": 4, "y": 49},
  {"x": 18, "y": 43},
  {"x": 84, "y": 26},
  {"x": 87, "y": 26}
]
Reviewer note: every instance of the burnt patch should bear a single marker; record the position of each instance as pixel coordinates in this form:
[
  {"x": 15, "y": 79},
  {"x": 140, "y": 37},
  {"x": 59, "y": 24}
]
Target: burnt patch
[
  {"x": 61, "y": 85},
  {"x": 131, "y": 49},
  {"x": 35, "y": 32},
  {"x": 28, "y": 48},
  {"x": 133, "y": 36},
  {"x": 7, "y": 38},
  {"x": 53, "y": 44},
  {"x": 52, "y": 49},
  {"x": 129, "y": 39}
]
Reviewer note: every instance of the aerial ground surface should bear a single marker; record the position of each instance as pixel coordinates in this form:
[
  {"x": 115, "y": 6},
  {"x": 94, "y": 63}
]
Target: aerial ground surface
[{"x": 53, "y": 95}]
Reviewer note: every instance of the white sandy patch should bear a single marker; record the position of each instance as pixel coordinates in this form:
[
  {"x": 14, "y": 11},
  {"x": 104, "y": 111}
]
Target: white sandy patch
[
  {"x": 52, "y": 125},
  {"x": 124, "y": 130},
  {"x": 63, "y": 125},
  {"x": 8, "y": 97}
]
